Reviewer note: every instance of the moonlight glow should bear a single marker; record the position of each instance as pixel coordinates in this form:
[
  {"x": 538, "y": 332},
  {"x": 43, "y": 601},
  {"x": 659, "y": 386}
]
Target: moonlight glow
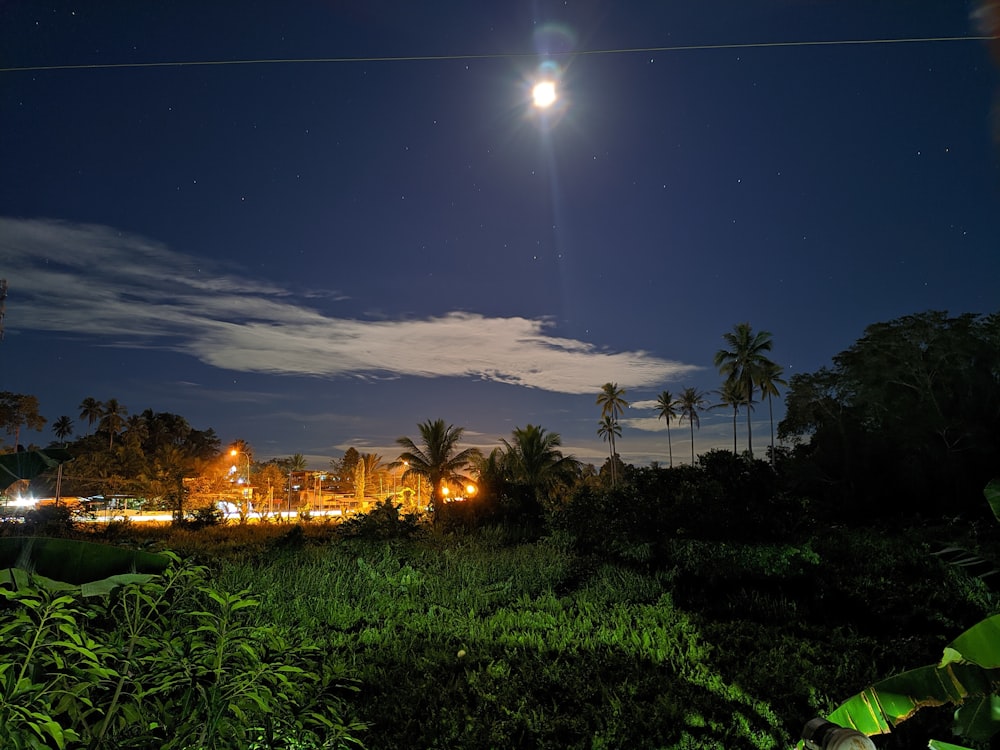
[{"x": 544, "y": 94}]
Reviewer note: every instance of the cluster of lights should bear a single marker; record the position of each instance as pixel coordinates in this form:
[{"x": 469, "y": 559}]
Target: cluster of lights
[
  {"x": 23, "y": 501},
  {"x": 470, "y": 490}
]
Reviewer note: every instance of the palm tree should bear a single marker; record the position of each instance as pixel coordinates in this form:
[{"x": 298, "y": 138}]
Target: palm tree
[
  {"x": 90, "y": 409},
  {"x": 170, "y": 465},
  {"x": 533, "y": 459},
  {"x": 666, "y": 408},
  {"x": 435, "y": 459},
  {"x": 731, "y": 395},
  {"x": 743, "y": 361},
  {"x": 239, "y": 445},
  {"x": 690, "y": 403},
  {"x": 112, "y": 418},
  {"x": 612, "y": 401},
  {"x": 491, "y": 473},
  {"x": 136, "y": 429},
  {"x": 768, "y": 381},
  {"x": 365, "y": 471},
  {"x": 297, "y": 462},
  {"x": 607, "y": 428},
  {"x": 63, "y": 428}
]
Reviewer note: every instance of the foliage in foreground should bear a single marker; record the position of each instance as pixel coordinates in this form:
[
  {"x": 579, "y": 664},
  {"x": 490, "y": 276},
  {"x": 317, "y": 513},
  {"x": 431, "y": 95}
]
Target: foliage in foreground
[
  {"x": 967, "y": 676},
  {"x": 172, "y": 663}
]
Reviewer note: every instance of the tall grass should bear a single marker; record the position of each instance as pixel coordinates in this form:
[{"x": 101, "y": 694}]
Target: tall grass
[{"x": 505, "y": 633}]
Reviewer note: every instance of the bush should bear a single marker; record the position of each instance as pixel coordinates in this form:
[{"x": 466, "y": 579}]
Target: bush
[{"x": 384, "y": 521}]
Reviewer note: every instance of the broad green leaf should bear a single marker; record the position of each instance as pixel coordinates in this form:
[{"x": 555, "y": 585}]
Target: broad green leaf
[
  {"x": 980, "y": 644},
  {"x": 105, "y": 585},
  {"x": 29, "y": 464},
  {"x": 992, "y": 493},
  {"x": 969, "y": 669},
  {"x": 938, "y": 745},
  {"x": 978, "y": 719},
  {"x": 69, "y": 564},
  {"x": 74, "y": 561},
  {"x": 55, "y": 731},
  {"x": 873, "y": 711}
]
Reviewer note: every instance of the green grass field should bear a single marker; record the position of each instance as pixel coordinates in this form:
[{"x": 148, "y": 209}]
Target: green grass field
[{"x": 472, "y": 640}]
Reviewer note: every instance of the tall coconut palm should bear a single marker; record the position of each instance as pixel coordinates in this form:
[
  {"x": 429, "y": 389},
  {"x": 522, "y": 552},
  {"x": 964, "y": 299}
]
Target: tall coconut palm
[
  {"x": 666, "y": 408},
  {"x": 607, "y": 428},
  {"x": 690, "y": 403},
  {"x": 435, "y": 459},
  {"x": 532, "y": 459},
  {"x": 62, "y": 428},
  {"x": 491, "y": 472},
  {"x": 612, "y": 401},
  {"x": 91, "y": 410},
  {"x": 768, "y": 380},
  {"x": 366, "y": 471},
  {"x": 112, "y": 418},
  {"x": 136, "y": 429},
  {"x": 742, "y": 362},
  {"x": 731, "y": 395}
]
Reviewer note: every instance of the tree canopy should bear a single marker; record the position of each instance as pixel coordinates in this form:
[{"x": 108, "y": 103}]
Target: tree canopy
[{"x": 911, "y": 410}]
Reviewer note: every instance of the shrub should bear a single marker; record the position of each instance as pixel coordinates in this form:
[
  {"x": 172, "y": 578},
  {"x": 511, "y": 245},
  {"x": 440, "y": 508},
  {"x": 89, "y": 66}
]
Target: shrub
[{"x": 384, "y": 521}]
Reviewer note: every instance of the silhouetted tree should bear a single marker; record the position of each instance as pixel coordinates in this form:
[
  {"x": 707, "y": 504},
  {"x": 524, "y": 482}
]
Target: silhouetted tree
[
  {"x": 666, "y": 408},
  {"x": 436, "y": 458},
  {"x": 612, "y": 401},
  {"x": 742, "y": 363}
]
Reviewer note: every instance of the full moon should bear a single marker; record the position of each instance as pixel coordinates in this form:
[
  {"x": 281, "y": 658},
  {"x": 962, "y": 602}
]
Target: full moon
[{"x": 544, "y": 94}]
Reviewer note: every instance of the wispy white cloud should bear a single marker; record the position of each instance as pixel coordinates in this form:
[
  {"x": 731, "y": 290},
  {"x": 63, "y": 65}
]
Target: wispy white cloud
[
  {"x": 646, "y": 424},
  {"x": 127, "y": 290},
  {"x": 648, "y": 404}
]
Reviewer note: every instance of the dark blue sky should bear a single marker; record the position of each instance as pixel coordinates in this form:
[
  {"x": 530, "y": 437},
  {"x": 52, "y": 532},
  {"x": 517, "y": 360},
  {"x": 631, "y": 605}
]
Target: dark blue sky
[{"x": 316, "y": 255}]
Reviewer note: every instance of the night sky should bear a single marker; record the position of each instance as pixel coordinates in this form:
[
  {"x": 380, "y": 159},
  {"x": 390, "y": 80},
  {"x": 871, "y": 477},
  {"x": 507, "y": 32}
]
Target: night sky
[{"x": 381, "y": 229}]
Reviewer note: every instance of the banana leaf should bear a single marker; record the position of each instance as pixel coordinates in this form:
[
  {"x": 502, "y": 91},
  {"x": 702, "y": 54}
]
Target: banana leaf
[
  {"x": 968, "y": 676},
  {"x": 992, "y": 493},
  {"x": 938, "y": 745},
  {"x": 29, "y": 464},
  {"x": 67, "y": 564},
  {"x": 978, "y": 719}
]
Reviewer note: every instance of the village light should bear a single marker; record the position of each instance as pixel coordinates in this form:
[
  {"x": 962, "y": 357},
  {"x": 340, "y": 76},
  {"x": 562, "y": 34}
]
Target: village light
[
  {"x": 820, "y": 734},
  {"x": 234, "y": 452}
]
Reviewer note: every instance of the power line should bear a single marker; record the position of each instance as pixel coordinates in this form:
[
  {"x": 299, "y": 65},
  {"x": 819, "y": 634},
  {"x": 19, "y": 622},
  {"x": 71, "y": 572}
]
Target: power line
[{"x": 495, "y": 56}]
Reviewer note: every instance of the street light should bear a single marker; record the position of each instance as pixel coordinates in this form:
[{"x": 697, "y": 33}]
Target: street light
[
  {"x": 246, "y": 479},
  {"x": 246, "y": 476}
]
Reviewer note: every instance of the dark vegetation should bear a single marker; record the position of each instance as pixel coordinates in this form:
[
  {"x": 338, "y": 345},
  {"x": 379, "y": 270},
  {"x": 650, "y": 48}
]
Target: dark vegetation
[{"x": 719, "y": 605}]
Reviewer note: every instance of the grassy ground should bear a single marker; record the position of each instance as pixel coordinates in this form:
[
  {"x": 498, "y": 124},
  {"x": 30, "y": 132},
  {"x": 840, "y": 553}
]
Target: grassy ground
[{"x": 473, "y": 641}]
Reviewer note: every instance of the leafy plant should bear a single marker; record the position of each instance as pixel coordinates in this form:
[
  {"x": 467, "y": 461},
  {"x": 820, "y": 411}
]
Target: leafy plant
[
  {"x": 968, "y": 676},
  {"x": 171, "y": 662},
  {"x": 50, "y": 672}
]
